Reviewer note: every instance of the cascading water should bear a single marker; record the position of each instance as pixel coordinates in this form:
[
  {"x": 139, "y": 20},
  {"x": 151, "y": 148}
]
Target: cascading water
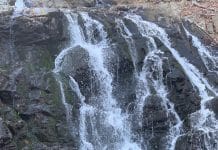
[
  {"x": 200, "y": 118},
  {"x": 127, "y": 35},
  {"x": 111, "y": 130},
  {"x": 19, "y": 7},
  {"x": 57, "y": 70},
  {"x": 143, "y": 90},
  {"x": 153, "y": 60},
  {"x": 210, "y": 61},
  {"x": 207, "y": 122},
  {"x": 85, "y": 110},
  {"x": 103, "y": 111},
  {"x": 143, "y": 78}
]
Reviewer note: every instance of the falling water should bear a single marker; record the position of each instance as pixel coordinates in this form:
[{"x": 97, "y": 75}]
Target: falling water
[
  {"x": 67, "y": 106},
  {"x": 57, "y": 70},
  {"x": 19, "y": 7},
  {"x": 207, "y": 122},
  {"x": 143, "y": 90},
  {"x": 154, "y": 60},
  {"x": 210, "y": 61},
  {"x": 127, "y": 35},
  {"x": 200, "y": 118},
  {"x": 85, "y": 109},
  {"x": 113, "y": 123}
]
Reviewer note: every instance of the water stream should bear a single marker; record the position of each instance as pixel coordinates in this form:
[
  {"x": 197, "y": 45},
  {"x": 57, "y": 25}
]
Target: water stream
[
  {"x": 111, "y": 126},
  {"x": 206, "y": 91}
]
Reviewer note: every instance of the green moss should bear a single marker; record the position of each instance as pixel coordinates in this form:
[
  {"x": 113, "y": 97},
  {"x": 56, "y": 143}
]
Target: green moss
[
  {"x": 46, "y": 60},
  {"x": 55, "y": 90}
]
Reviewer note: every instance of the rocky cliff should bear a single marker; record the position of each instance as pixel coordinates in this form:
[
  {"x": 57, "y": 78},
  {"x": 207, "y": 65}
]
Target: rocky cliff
[{"x": 36, "y": 101}]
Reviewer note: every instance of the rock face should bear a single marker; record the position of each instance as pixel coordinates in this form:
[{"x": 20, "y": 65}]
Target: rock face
[
  {"x": 29, "y": 95},
  {"x": 32, "y": 115}
]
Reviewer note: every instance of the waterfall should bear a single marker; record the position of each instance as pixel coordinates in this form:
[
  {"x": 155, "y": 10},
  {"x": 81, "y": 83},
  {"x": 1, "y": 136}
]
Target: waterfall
[
  {"x": 142, "y": 89},
  {"x": 109, "y": 125},
  {"x": 200, "y": 118},
  {"x": 210, "y": 61},
  {"x": 85, "y": 110},
  {"x": 68, "y": 107},
  {"x": 151, "y": 29},
  {"x": 154, "y": 62},
  {"x": 127, "y": 35},
  {"x": 19, "y": 7},
  {"x": 57, "y": 70}
]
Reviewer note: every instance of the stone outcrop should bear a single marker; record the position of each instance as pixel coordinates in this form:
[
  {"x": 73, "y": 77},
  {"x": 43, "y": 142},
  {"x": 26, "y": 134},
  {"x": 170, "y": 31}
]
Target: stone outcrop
[{"x": 29, "y": 95}]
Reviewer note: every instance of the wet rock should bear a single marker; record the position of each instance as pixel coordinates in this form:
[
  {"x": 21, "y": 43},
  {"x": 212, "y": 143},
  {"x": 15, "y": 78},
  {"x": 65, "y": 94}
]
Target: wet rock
[
  {"x": 76, "y": 63},
  {"x": 156, "y": 122},
  {"x": 36, "y": 109},
  {"x": 29, "y": 31},
  {"x": 12, "y": 2},
  {"x": 7, "y": 97},
  {"x": 213, "y": 105},
  {"x": 33, "y": 103},
  {"x": 154, "y": 115},
  {"x": 196, "y": 140},
  {"x": 5, "y": 134},
  {"x": 76, "y": 58},
  {"x": 179, "y": 86}
]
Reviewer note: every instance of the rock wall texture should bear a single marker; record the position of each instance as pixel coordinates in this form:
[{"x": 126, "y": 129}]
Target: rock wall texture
[{"x": 31, "y": 113}]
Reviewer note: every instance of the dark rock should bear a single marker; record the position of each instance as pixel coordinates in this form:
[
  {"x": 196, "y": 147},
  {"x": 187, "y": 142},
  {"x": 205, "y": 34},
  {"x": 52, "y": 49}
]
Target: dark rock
[
  {"x": 5, "y": 134},
  {"x": 179, "y": 85},
  {"x": 8, "y": 97},
  {"x": 196, "y": 140},
  {"x": 33, "y": 103},
  {"x": 29, "y": 31},
  {"x": 12, "y": 2},
  {"x": 213, "y": 105},
  {"x": 36, "y": 109},
  {"x": 154, "y": 115}
]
